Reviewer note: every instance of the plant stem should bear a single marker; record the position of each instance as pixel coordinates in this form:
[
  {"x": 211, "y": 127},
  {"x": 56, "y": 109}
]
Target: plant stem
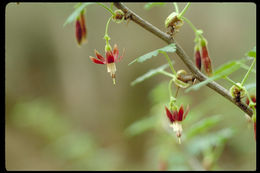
[
  {"x": 191, "y": 25},
  {"x": 166, "y": 73},
  {"x": 184, "y": 10},
  {"x": 231, "y": 81},
  {"x": 108, "y": 9},
  {"x": 170, "y": 87},
  {"x": 107, "y": 25},
  {"x": 176, "y": 7},
  {"x": 177, "y": 91},
  {"x": 249, "y": 70},
  {"x": 111, "y": 6},
  {"x": 169, "y": 61},
  {"x": 182, "y": 55}
]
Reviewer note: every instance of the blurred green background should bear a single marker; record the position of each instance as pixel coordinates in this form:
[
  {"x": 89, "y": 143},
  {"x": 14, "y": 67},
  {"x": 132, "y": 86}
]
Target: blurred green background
[{"x": 64, "y": 113}]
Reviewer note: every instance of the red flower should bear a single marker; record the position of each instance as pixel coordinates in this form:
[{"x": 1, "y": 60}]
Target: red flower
[
  {"x": 176, "y": 117},
  {"x": 253, "y": 98},
  {"x": 111, "y": 59},
  {"x": 81, "y": 31}
]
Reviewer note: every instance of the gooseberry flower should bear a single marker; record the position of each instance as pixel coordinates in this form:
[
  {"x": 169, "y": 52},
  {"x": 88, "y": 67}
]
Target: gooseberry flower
[
  {"x": 81, "y": 31},
  {"x": 205, "y": 57},
  {"x": 176, "y": 117},
  {"x": 111, "y": 59},
  {"x": 253, "y": 98}
]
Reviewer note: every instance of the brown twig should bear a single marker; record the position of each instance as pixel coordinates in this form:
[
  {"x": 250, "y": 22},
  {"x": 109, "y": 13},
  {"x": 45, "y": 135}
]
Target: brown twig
[{"x": 184, "y": 57}]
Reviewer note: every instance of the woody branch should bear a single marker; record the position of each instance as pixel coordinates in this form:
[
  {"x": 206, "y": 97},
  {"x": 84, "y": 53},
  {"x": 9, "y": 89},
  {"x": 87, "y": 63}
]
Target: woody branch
[{"x": 183, "y": 56}]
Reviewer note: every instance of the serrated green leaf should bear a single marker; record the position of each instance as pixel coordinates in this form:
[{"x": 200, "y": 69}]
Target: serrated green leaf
[
  {"x": 149, "y": 74},
  {"x": 203, "y": 126},
  {"x": 252, "y": 53},
  {"x": 168, "y": 48},
  {"x": 221, "y": 72},
  {"x": 151, "y": 4},
  {"x": 141, "y": 126},
  {"x": 79, "y": 7}
]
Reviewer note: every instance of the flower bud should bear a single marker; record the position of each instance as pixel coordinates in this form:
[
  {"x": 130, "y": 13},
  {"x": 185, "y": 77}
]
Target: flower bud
[
  {"x": 78, "y": 32},
  {"x": 197, "y": 57},
  {"x": 81, "y": 31},
  {"x": 119, "y": 16},
  {"x": 173, "y": 23},
  {"x": 83, "y": 26},
  {"x": 205, "y": 57}
]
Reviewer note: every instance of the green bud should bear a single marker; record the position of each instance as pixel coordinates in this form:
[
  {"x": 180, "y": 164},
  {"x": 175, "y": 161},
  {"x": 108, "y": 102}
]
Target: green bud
[
  {"x": 237, "y": 91},
  {"x": 173, "y": 22},
  {"x": 119, "y": 16},
  {"x": 108, "y": 48}
]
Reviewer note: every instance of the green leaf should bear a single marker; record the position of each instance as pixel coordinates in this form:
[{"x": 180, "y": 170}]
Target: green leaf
[
  {"x": 151, "y": 4},
  {"x": 149, "y": 74},
  {"x": 201, "y": 143},
  {"x": 78, "y": 8},
  {"x": 252, "y": 53},
  {"x": 221, "y": 72},
  {"x": 203, "y": 125},
  {"x": 168, "y": 48},
  {"x": 141, "y": 126}
]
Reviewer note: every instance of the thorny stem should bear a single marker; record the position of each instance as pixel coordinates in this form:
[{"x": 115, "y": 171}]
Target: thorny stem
[
  {"x": 169, "y": 61},
  {"x": 183, "y": 56},
  {"x": 184, "y": 10},
  {"x": 176, "y": 7},
  {"x": 249, "y": 70}
]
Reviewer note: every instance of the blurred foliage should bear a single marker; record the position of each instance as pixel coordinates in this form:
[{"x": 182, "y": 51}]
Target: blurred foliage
[
  {"x": 62, "y": 140},
  {"x": 197, "y": 137},
  {"x": 63, "y": 113},
  {"x": 149, "y": 5}
]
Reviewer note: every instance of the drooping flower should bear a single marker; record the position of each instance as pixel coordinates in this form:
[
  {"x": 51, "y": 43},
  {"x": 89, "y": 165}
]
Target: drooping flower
[
  {"x": 176, "y": 117},
  {"x": 205, "y": 57},
  {"x": 81, "y": 31},
  {"x": 253, "y": 98},
  {"x": 111, "y": 59}
]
